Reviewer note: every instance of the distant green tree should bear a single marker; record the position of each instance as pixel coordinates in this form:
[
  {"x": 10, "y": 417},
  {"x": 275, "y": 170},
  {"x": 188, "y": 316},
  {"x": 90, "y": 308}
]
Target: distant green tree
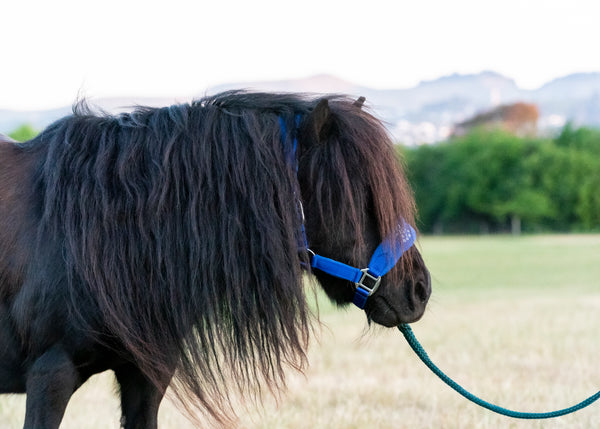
[
  {"x": 562, "y": 172},
  {"x": 583, "y": 138},
  {"x": 490, "y": 180},
  {"x": 23, "y": 133},
  {"x": 425, "y": 173},
  {"x": 498, "y": 186}
]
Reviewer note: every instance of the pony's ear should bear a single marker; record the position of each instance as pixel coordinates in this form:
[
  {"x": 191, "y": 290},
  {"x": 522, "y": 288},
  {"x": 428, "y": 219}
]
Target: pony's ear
[
  {"x": 359, "y": 103},
  {"x": 321, "y": 121}
]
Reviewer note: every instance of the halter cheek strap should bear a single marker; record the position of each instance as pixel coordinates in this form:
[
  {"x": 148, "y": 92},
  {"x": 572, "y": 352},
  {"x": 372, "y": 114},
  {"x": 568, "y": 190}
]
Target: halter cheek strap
[{"x": 384, "y": 258}]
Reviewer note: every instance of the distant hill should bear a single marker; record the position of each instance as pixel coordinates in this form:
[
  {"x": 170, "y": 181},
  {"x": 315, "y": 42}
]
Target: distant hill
[
  {"x": 429, "y": 111},
  {"x": 424, "y": 113}
]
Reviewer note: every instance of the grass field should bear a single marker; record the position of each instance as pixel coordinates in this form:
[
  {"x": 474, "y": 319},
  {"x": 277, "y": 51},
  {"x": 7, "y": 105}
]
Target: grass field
[{"x": 512, "y": 319}]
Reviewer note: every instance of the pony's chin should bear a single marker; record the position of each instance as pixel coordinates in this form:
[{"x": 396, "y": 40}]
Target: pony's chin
[{"x": 382, "y": 312}]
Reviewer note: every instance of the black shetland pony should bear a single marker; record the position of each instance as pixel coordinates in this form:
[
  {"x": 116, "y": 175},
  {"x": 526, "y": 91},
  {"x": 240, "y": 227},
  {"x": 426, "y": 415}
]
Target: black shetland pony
[{"x": 163, "y": 244}]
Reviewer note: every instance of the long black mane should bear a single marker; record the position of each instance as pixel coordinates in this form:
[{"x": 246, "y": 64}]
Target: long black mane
[{"x": 178, "y": 230}]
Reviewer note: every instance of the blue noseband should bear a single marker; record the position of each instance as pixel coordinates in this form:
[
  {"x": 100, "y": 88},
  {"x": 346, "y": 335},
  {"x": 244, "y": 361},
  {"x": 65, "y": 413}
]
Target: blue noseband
[{"x": 384, "y": 258}]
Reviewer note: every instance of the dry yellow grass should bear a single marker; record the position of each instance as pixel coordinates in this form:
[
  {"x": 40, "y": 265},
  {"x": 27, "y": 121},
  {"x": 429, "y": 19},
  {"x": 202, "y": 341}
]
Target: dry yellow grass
[{"x": 513, "y": 320}]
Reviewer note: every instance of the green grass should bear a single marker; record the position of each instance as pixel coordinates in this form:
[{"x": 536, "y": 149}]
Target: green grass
[{"x": 511, "y": 318}]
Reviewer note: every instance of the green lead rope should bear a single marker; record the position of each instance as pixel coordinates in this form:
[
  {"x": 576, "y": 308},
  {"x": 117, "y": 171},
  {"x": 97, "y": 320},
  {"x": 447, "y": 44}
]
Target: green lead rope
[{"x": 410, "y": 337}]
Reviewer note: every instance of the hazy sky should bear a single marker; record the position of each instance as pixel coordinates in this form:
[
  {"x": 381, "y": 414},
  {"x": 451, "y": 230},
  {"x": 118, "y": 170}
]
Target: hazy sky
[{"x": 51, "y": 51}]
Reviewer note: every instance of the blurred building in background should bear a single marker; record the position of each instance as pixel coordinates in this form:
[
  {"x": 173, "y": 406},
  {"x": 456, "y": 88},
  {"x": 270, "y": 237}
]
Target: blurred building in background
[{"x": 520, "y": 119}]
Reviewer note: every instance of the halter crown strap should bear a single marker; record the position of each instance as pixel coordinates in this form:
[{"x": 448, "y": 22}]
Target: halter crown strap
[
  {"x": 302, "y": 241},
  {"x": 283, "y": 127}
]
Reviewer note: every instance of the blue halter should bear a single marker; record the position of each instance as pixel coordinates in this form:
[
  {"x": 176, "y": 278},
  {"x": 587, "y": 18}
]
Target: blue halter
[{"x": 384, "y": 258}]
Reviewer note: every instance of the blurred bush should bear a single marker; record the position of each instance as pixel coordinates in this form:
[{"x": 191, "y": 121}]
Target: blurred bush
[
  {"x": 23, "y": 133},
  {"x": 493, "y": 181}
]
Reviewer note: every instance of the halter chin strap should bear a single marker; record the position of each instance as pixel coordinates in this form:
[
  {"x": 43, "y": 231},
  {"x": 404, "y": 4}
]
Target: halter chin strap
[{"x": 384, "y": 258}]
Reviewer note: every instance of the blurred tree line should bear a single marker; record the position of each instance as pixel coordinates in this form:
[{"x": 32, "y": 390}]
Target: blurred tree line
[{"x": 494, "y": 181}]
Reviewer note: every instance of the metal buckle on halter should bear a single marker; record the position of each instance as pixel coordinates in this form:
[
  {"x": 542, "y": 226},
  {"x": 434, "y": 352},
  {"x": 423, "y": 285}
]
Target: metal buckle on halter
[{"x": 368, "y": 282}]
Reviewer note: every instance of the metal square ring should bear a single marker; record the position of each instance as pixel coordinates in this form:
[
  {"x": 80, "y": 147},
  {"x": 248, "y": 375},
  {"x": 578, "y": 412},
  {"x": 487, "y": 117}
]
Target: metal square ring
[{"x": 372, "y": 282}]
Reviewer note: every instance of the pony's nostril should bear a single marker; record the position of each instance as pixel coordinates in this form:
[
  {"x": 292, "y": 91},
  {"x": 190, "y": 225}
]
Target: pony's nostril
[{"x": 421, "y": 292}]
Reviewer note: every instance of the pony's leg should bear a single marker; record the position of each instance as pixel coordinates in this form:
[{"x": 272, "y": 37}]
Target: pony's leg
[
  {"x": 12, "y": 377},
  {"x": 140, "y": 398},
  {"x": 51, "y": 381}
]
